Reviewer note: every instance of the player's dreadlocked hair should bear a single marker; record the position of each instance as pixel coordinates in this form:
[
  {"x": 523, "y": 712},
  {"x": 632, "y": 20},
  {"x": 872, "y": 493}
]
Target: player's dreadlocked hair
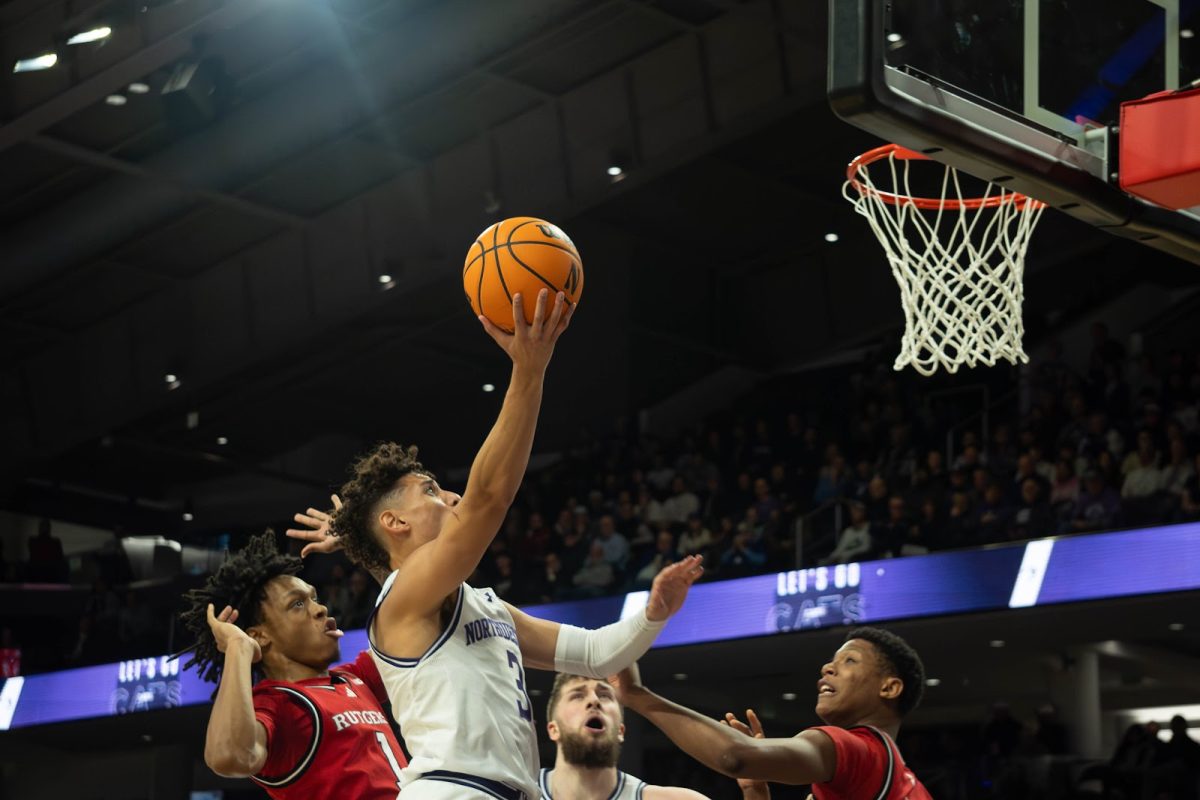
[
  {"x": 375, "y": 476},
  {"x": 900, "y": 659},
  {"x": 240, "y": 582}
]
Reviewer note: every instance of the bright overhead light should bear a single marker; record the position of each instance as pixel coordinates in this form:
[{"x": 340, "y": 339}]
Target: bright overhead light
[
  {"x": 385, "y": 278},
  {"x": 831, "y": 237},
  {"x": 1186, "y": 33},
  {"x": 789, "y": 695},
  {"x": 187, "y": 516},
  {"x": 489, "y": 387},
  {"x": 933, "y": 681},
  {"x": 116, "y": 100},
  {"x": 614, "y": 171},
  {"x": 44, "y": 61},
  {"x": 139, "y": 88},
  {"x": 894, "y": 38},
  {"x": 94, "y": 35},
  {"x": 996, "y": 643},
  {"x": 681, "y": 676},
  {"x": 1175, "y": 626},
  {"x": 170, "y": 377},
  {"x": 221, "y": 440}
]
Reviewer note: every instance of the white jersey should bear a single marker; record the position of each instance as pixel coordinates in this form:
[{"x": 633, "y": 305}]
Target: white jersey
[
  {"x": 628, "y": 787},
  {"x": 462, "y": 706}
]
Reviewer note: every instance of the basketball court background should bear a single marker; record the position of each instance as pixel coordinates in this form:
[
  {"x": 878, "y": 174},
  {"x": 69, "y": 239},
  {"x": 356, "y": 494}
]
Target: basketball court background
[{"x": 212, "y": 297}]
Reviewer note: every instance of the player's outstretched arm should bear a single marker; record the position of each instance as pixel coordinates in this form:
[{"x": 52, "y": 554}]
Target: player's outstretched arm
[
  {"x": 807, "y": 758},
  {"x": 436, "y": 569},
  {"x": 601, "y": 652},
  {"x": 236, "y": 743}
]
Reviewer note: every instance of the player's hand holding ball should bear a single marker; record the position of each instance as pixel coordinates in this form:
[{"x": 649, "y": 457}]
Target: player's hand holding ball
[{"x": 523, "y": 278}]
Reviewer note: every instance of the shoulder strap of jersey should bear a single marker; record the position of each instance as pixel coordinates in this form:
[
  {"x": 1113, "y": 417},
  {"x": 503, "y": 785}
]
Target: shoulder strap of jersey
[{"x": 889, "y": 773}]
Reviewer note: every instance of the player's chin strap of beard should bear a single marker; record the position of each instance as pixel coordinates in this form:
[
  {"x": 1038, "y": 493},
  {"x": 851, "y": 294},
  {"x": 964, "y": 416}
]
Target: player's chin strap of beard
[{"x": 604, "y": 651}]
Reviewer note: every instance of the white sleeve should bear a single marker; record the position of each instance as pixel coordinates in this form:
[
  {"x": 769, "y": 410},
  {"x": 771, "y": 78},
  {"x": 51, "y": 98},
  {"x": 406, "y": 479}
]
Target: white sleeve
[{"x": 604, "y": 651}]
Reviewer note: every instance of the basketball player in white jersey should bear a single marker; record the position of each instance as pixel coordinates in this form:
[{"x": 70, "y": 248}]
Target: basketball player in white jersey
[
  {"x": 453, "y": 656},
  {"x": 587, "y": 724}
]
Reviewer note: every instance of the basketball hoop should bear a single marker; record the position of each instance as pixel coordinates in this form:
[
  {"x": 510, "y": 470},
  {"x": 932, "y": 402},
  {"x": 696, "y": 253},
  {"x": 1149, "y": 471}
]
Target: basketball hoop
[{"x": 959, "y": 262}]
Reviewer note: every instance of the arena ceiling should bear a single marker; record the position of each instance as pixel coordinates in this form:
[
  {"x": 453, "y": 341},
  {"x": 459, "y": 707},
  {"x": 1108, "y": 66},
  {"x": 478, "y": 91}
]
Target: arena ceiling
[{"x": 233, "y": 234}]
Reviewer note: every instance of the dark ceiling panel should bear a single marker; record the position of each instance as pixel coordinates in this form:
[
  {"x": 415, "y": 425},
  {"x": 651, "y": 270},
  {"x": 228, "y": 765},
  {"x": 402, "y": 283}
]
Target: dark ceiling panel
[
  {"x": 325, "y": 177},
  {"x": 206, "y": 236},
  {"x": 86, "y": 296}
]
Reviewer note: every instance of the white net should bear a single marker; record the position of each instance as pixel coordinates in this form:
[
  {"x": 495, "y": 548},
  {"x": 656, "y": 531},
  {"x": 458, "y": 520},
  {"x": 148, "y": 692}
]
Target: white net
[{"x": 959, "y": 265}]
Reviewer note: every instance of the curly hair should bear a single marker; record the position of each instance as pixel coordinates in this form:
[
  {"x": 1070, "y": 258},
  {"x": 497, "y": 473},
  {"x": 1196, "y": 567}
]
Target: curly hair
[
  {"x": 240, "y": 582},
  {"x": 374, "y": 477},
  {"x": 900, "y": 659}
]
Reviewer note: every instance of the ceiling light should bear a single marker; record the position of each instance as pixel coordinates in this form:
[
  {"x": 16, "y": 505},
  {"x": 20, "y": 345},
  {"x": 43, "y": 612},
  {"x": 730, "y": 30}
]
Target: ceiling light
[
  {"x": 1186, "y": 33},
  {"x": 44, "y": 61},
  {"x": 385, "y": 278},
  {"x": 894, "y": 38},
  {"x": 94, "y": 35},
  {"x": 615, "y": 172},
  {"x": 831, "y": 237},
  {"x": 187, "y": 516},
  {"x": 789, "y": 695},
  {"x": 996, "y": 643},
  {"x": 1175, "y": 626},
  {"x": 139, "y": 88},
  {"x": 488, "y": 387},
  {"x": 116, "y": 100},
  {"x": 933, "y": 681},
  {"x": 681, "y": 676},
  {"x": 170, "y": 377},
  {"x": 221, "y": 440}
]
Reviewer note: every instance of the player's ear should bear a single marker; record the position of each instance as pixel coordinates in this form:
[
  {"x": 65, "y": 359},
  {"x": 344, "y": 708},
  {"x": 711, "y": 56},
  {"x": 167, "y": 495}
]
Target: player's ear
[
  {"x": 891, "y": 688},
  {"x": 621, "y": 733},
  {"x": 391, "y": 522},
  {"x": 552, "y": 730},
  {"x": 260, "y": 635}
]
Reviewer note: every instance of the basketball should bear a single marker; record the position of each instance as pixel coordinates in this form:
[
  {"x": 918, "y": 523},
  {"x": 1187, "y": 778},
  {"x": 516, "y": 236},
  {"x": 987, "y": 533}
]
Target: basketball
[{"x": 520, "y": 254}]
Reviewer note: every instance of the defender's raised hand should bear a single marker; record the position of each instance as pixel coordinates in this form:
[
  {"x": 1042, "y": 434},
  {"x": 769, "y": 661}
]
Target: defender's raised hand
[{"x": 318, "y": 534}]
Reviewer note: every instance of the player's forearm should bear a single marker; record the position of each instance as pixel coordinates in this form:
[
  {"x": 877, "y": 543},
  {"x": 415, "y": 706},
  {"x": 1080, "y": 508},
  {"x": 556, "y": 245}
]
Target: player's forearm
[
  {"x": 230, "y": 743},
  {"x": 716, "y": 746},
  {"x": 500, "y": 465}
]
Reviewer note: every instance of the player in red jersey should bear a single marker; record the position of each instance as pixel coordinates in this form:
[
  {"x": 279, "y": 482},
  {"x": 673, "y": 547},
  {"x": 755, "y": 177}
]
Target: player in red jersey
[
  {"x": 304, "y": 730},
  {"x": 865, "y": 690}
]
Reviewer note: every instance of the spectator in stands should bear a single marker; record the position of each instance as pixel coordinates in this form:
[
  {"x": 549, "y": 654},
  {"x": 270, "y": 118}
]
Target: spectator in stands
[
  {"x": 596, "y": 576},
  {"x": 1064, "y": 492},
  {"x": 855, "y": 541},
  {"x": 961, "y": 529},
  {"x": 613, "y": 544},
  {"x": 1189, "y": 498},
  {"x": 892, "y": 532},
  {"x": 1140, "y": 490},
  {"x": 743, "y": 557},
  {"x": 550, "y": 582},
  {"x": 1033, "y": 517},
  {"x": 10, "y": 654},
  {"x": 653, "y": 562},
  {"x": 993, "y": 515},
  {"x": 1177, "y": 471},
  {"x": 1098, "y": 504},
  {"x": 1146, "y": 451},
  {"x": 682, "y": 502},
  {"x": 47, "y": 563},
  {"x": 935, "y": 468},
  {"x": 1176, "y": 769},
  {"x": 876, "y": 499},
  {"x": 1050, "y": 735},
  {"x": 1125, "y": 772},
  {"x": 573, "y": 550},
  {"x": 929, "y": 525},
  {"x": 696, "y": 537},
  {"x": 832, "y": 479},
  {"x": 535, "y": 539},
  {"x": 767, "y": 505}
]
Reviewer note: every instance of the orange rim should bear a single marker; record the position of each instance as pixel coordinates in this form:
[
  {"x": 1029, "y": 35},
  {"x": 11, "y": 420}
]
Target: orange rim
[{"x": 925, "y": 203}]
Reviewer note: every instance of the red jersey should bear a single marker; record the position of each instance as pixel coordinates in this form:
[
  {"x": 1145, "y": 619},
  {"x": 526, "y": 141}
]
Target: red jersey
[
  {"x": 329, "y": 737},
  {"x": 869, "y": 767}
]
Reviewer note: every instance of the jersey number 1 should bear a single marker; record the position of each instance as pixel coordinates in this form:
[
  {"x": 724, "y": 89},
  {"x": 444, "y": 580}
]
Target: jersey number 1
[
  {"x": 390, "y": 756},
  {"x": 514, "y": 661}
]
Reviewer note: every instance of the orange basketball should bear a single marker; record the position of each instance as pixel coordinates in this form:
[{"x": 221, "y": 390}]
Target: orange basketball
[{"x": 520, "y": 254}]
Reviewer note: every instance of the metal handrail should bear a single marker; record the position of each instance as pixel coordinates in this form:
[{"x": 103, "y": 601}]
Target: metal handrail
[{"x": 804, "y": 523}]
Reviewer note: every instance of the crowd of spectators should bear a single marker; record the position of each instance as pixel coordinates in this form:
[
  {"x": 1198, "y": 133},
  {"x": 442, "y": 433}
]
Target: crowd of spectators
[
  {"x": 862, "y": 457},
  {"x": 859, "y": 454}
]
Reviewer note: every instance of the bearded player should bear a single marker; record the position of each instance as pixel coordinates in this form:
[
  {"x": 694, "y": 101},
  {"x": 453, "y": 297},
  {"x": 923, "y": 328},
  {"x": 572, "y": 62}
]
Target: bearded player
[
  {"x": 304, "y": 730},
  {"x": 873, "y": 680},
  {"x": 452, "y": 656},
  {"x": 586, "y": 723}
]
